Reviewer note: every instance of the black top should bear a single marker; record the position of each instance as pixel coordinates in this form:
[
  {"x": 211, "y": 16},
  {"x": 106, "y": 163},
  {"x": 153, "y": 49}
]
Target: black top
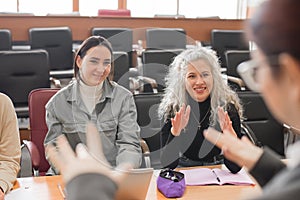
[{"x": 191, "y": 142}]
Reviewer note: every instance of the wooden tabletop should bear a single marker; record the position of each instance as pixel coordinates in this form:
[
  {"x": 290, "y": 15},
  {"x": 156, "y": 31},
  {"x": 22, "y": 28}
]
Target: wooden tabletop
[{"x": 46, "y": 188}]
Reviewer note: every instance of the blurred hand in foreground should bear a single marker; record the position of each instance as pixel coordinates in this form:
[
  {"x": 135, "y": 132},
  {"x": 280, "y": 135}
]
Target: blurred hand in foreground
[{"x": 86, "y": 159}]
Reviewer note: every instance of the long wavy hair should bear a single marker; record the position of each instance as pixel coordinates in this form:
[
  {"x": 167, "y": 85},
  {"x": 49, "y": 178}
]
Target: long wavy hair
[{"x": 175, "y": 92}]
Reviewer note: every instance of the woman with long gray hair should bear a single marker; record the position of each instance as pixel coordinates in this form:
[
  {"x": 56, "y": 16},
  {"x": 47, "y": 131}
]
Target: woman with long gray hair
[{"x": 195, "y": 93}]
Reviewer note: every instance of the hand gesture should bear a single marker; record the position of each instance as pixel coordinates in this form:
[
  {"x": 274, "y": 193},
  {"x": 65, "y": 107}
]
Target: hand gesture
[
  {"x": 225, "y": 122},
  {"x": 87, "y": 159},
  {"x": 180, "y": 120},
  {"x": 242, "y": 152},
  {"x": 1, "y": 195}
]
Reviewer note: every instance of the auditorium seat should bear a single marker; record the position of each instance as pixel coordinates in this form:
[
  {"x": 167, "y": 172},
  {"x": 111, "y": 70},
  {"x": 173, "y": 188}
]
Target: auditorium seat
[
  {"x": 114, "y": 13},
  {"x": 165, "y": 38},
  {"x": 121, "y": 68},
  {"x": 5, "y": 40},
  {"x": 120, "y": 39},
  {"x": 147, "y": 118},
  {"x": 21, "y": 72},
  {"x": 268, "y": 131},
  {"x": 58, "y": 42},
  {"x": 156, "y": 64},
  {"x": 224, "y": 40}
]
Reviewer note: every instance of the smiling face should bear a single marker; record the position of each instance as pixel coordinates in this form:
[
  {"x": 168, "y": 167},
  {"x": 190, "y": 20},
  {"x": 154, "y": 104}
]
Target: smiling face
[
  {"x": 199, "y": 80},
  {"x": 95, "y": 66}
]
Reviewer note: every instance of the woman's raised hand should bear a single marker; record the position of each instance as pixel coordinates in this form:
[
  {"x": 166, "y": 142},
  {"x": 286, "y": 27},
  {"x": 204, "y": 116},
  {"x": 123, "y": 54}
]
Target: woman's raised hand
[
  {"x": 180, "y": 120},
  {"x": 225, "y": 122}
]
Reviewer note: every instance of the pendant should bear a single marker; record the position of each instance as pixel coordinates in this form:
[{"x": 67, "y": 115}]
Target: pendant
[{"x": 199, "y": 126}]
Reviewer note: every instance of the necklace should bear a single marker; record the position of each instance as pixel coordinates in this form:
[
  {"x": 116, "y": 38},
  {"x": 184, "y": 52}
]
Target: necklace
[{"x": 199, "y": 123}]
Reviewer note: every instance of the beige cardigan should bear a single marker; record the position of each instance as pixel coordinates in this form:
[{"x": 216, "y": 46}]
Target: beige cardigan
[{"x": 10, "y": 150}]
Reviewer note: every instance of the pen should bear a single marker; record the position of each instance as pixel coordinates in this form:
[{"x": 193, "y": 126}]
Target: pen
[
  {"x": 216, "y": 176},
  {"x": 61, "y": 191}
]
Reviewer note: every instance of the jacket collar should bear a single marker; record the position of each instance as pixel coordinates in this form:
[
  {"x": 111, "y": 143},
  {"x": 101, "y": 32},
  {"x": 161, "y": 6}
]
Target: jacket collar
[{"x": 73, "y": 91}]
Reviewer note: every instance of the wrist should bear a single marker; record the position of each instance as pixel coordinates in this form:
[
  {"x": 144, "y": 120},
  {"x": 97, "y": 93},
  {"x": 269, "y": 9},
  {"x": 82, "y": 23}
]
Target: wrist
[{"x": 174, "y": 132}]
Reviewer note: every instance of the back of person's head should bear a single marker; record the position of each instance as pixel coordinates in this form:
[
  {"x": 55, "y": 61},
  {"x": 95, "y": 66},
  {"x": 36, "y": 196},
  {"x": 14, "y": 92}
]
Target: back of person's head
[
  {"x": 275, "y": 27},
  {"x": 89, "y": 43}
]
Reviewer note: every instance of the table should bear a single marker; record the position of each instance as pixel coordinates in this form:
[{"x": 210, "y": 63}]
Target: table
[{"x": 46, "y": 188}]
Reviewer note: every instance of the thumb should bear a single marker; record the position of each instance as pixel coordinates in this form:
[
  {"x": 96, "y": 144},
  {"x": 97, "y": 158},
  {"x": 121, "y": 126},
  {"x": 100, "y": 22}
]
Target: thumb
[{"x": 81, "y": 151}]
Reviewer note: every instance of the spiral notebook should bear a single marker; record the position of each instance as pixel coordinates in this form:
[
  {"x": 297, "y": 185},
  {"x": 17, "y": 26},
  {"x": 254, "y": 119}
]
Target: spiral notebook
[{"x": 216, "y": 176}]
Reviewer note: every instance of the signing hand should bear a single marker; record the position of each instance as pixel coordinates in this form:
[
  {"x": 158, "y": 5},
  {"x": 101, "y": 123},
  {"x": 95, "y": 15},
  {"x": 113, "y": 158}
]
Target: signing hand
[
  {"x": 242, "y": 152},
  {"x": 180, "y": 120},
  {"x": 1, "y": 195},
  {"x": 88, "y": 159},
  {"x": 225, "y": 122}
]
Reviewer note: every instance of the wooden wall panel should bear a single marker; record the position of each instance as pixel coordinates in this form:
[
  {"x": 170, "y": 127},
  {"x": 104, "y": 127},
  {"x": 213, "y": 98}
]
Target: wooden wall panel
[{"x": 196, "y": 29}]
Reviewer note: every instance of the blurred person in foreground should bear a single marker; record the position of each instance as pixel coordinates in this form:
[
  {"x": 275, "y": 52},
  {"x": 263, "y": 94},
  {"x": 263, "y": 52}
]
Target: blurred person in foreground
[{"x": 274, "y": 71}]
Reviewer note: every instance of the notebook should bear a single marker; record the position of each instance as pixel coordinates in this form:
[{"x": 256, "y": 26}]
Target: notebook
[
  {"x": 136, "y": 184},
  {"x": 216, "y": 176}
]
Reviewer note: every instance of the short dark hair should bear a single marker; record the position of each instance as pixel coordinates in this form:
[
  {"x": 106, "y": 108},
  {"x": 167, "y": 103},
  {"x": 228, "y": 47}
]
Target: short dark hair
[{"x": 275, "y": 27}]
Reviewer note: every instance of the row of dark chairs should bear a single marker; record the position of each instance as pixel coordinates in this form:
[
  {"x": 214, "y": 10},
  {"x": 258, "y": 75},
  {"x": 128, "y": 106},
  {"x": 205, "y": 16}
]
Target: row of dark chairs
[
  {"x": 53, "y": 38},
  {"x": 23, "y": 71}
]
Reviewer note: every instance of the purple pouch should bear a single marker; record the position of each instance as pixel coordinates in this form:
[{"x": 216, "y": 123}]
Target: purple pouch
[{"x": 171, "y": 183}]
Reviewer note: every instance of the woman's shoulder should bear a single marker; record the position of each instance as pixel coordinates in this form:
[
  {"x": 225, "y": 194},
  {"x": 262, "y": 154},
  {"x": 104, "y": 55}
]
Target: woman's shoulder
[
  {"x": 4, "y": 98},
  {"x": 61, "y": 95}
]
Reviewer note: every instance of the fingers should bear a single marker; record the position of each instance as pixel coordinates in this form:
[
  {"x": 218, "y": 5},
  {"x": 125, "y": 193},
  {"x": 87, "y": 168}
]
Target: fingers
[
  {"x": 187, "y": 113},
  {"x": 61, "y": 154},
  {"x": 65, "y": 151},
  {"x": 53, "y": 157},
  {"x": 246, "y": 140},
  {"x": 214, "y": 136}
]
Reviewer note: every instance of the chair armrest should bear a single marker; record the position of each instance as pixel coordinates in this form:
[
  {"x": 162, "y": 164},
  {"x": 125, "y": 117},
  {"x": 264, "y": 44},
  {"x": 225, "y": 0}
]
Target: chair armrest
[
  {"x": 35, "y": 155},
  {"x": 236, "y": 80},
  {"x": 146, "y": 153},
  {"x": 55, "y": 82},
  {"x": 150, "y": 81},
  {"x": 144, "y": 146}
]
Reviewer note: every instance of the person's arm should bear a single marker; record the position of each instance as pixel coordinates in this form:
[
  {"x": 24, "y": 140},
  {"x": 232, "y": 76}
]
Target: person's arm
[
  {"x": 54, "y": 131},
  {"x": 267, "y": 166},
  {"x": 53, "y": 124},
  {"x": 10, "y": 149},
  {"x": 241, "y": 151},
  {"x": 129, "y": 149}
]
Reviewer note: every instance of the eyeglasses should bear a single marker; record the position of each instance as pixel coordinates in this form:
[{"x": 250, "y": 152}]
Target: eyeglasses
[{"x": 248, "y": 71}]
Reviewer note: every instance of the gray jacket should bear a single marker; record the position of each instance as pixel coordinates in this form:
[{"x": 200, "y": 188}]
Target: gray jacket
[
  {"x": 278, "y": 181},
  {"x": 115, "y": 117}
]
